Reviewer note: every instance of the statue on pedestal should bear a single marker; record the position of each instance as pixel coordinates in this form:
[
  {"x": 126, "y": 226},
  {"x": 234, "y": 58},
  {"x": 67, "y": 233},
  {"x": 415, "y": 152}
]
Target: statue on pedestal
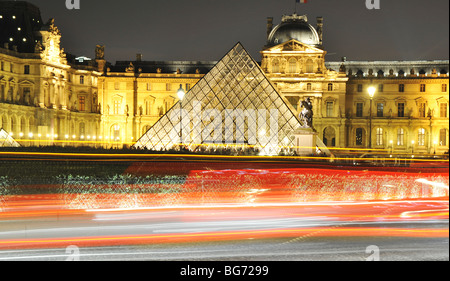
[{"x": 306, "y": 115}]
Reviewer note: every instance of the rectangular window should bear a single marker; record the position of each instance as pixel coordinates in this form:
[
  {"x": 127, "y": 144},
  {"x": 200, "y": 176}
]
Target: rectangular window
[
  {"x": 423, "y": 88},
  {"x": 26, "y": 69},
  {"x": 359, "y": 136},
  {"x": 82, "y": 103},
  {"x": 359, "y": 109},
  {"x": 82, "y": 80},
  {"x": 379, "y": 136},
  {"x": 380, "y": 108},
  {"x": 329, "y": 109},
  {"x": 443, "y": 137},
  {"x": 401, "y": 109},
  {"x": 422, "y": 109},
  {"x": 168, "y": 87},
  {"x": 116, "y": 107},
  {"x": 444, "y": 88},
  {"x": 360, "y": 88},
  {"x": 149, "y": 86},
  {"x": 117, "y": 86},
  {"x": 421, "y": 137},
  {"x": 380, "y": 88},
  {"x": 401, "y": 88},
  {"x": 2, "y": 66},
  {"x": 443, "y": 110},
  {"x": 400, "y": 137}
]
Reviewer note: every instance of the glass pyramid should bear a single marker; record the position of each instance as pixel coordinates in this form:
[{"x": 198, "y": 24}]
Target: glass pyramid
[
  {"x": 233, "y": 105},
  {"x": 6, "y": 140}
]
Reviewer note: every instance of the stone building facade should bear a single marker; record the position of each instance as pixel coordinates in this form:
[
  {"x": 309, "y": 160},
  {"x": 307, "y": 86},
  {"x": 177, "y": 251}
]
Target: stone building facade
[{"x": 49, "y": 97}]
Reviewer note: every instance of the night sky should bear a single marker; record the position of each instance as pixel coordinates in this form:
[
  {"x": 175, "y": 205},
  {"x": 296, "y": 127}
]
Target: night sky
[{"x": 207, "y": 29}]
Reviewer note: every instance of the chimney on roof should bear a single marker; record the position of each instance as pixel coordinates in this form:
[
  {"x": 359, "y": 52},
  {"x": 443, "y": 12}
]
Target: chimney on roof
[{"x": 269, "y": 26}]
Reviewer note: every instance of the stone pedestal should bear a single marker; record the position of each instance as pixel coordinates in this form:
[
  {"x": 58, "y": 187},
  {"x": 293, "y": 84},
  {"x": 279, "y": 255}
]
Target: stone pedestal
[{"x": 305, "y": 141}]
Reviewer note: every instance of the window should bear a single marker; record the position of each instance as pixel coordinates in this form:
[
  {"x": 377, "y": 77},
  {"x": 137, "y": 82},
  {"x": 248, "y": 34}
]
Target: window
[
  {"x": 116, "y": 107},
  {"x": 379, "y": 136},
  {"x": 81, "y": 103},
  {"x": 359, "y": 109},
  {"x": 443, "y": 137},
  {"x": 444, "y": 88},
  {"x": 401, "y": 88},
  {"x": 443, "y": 110},
  {"x": 422, "y": 88},
  {"x": 330, "y": 109},
  {"x": 400, "y": 137},
  {"x": 360, "y": 88},
  {"x": 309, "y": 87},
  {"x": 381, "y": 88},
  {"x": 422, "y": 109},
  {"x": 275, "y": 66},
  {"x": 149, "y": 86},
  {"x": 359, "y": 136},
  {"x": 188, "y": 87},
  {"x": 168, "y": 87},
  {"x": 116, "y": 86},
  {"x": 380, "y": 108},
  {"x": 292, "y": 66},
  {"x": 2, "y": 66},
  {"x": 82, "y": 80},
  {"x": 26, "y": 69},
  {"x": 330, "y": 87},
  {"x": 421, "y": 137},
  {"x": 309, "y": 66},
  {"x": 401, "y": 109}
]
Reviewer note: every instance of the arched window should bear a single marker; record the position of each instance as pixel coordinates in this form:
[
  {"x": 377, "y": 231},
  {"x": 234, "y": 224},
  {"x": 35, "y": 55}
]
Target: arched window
[{"x": 330, "y": 87}]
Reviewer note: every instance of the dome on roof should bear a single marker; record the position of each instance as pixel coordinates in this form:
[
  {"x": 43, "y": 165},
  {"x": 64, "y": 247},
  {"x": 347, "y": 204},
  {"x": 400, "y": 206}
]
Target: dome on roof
[{"x": 294, "y": 27}]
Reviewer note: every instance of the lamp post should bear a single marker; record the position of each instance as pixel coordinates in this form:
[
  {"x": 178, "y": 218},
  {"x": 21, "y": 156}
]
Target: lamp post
[
  {"x": 181, "y": 94},
  {"x": 371, "y": 91}
]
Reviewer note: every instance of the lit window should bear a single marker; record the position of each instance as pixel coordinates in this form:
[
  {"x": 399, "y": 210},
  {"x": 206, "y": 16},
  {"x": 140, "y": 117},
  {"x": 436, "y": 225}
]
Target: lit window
[
  {"x": 379, "y": 136},
  {"x": 116, "y": 107},
  {"x": 309, "y": 87},
  {"x": 275, "y": 66},
  {"x": 329, "y": 109},
  {"x": 360, "y": 88},
  {"x": 380, "y": 109},
  {"x": 400, "y": 137},
  {"x": 421, "y": 137},
  {"x": 82, "y": 80},
  {"x": 292, "y": 66},
  {"x": 444, "y": 88},
  {"x": 309, "y": 66}
]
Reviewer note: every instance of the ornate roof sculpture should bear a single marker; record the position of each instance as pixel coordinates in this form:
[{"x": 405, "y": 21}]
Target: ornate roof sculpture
[{"x": 233, "y": 104}]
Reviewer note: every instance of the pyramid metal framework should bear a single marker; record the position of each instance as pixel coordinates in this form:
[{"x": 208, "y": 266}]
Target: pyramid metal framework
[
  {"x": 233, "y": 104},
  {"x": 6, "y": 140}
]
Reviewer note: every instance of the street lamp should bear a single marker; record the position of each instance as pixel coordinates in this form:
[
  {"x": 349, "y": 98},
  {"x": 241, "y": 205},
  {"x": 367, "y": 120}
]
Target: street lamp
[
  {"x": 181, "y": 94},
  {"x": 371, "y": 91}
]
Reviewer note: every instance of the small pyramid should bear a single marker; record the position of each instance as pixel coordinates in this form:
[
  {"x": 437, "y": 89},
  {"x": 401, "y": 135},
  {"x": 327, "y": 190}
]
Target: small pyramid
[
  {"x": 6, "y": 140},
  {"x": 234, "y": 103}
]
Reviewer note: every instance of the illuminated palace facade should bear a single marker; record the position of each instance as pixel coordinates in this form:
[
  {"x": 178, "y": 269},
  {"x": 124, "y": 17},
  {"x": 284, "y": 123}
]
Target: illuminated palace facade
[{"x": 54, "y": 98}]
